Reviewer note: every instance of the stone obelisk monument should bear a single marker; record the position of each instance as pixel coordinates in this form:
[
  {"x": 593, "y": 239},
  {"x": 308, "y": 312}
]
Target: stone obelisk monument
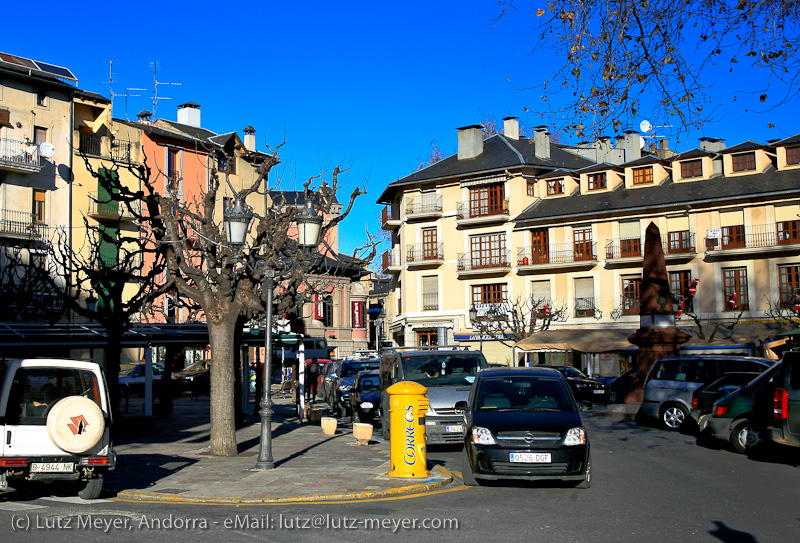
[{"x": 657, "y": 336}]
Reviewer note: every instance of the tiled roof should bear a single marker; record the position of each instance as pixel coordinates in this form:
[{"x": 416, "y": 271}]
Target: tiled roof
[
  {"x": 693, "y": 153},
  {"x": 748, "y": 145},
  {"x": 788, "y": 141},
  {"x": 662, "y": 197},
  {"x": 158, "y": 131},
  {"x": 499, "y": 153}
]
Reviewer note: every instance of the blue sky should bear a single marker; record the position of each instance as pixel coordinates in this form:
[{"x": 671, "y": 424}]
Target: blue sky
[{"x": 369, "y": 84}]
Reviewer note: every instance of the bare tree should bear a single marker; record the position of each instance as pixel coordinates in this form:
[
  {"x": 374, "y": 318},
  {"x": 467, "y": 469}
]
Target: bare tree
[
  {"x": 24, "y": 295},
  {"x": 435, "y": 156},
  {"x": 783, "y": 312},
  {"x": 226, "y": 282},
  {"x": 626, "y": 58},
  {"x": 511, "y": 322}
]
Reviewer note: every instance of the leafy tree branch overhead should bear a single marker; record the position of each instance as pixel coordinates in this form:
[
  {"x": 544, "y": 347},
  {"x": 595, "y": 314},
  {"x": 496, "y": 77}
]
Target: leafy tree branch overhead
[{"x": 624, "y": 60}]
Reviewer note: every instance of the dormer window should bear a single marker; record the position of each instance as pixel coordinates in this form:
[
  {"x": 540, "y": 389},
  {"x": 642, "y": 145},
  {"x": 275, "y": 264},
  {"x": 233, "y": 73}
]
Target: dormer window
[
  {"x": 597, "y": 181},
  {"x": 692, "y": 168},
  {"x": 643, "y": 176},
  {"x": 555, "y": 186},
  {"x": 744, "y": 162},
  {"x": 793, "y": 155},
  {"x": 531, "y": 188}
]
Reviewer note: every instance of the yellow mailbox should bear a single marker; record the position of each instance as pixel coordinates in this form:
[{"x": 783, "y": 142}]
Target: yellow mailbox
[{"x": 407, "y": 408}]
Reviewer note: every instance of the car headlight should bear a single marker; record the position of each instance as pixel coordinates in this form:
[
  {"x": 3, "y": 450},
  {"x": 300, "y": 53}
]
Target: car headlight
[
  {"x": 366, "y": 405},
  {"x": 344, "y": 388},
  {"x": 482, "y": 436},
  {"x": 575, "y": 436}
]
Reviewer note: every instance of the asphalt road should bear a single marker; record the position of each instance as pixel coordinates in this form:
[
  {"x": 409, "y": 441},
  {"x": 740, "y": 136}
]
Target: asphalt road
[{"x": 649, "y": 485}]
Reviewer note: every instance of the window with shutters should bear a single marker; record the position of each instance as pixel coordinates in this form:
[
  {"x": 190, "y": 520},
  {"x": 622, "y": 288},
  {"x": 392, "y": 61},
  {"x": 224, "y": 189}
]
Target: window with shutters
[
  {"x": 793, "y": 155},
  {"x": 489, "y": 294},
  {"x": 38, "y": 210},
  {"x": 430, "y": 293},
  {"x": 555, "y": 186},
  {"x": 789, "y": 277},
  {"x": 488, "y": 251},
  {"x": 643, "y": 176},
  {"x": 584, "y": 297},
  {"x": 692, "y": 168},
  {"x": 487, "y": 200},
  {"x": 5, "y": 117},
  {"x": 744, "y": 162},
  {"x": 583, "y": 244},
  {"x": 679, "y": 282},
  {"x": 597, "y": 181},
  {"x": 631, "y": 295}
]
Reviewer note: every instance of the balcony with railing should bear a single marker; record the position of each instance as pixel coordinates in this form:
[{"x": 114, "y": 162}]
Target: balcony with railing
[
  {"x": 19, "y": 156},
  {"x": 424, "y": 254},
  {"x": 390, "y": 218},
  {"x": 483, "y": 262},
  {"x": 777, "y": 237},
  {"x": 111, "y": 209},
  {"x": 391, "y": 262},
  {"x": 584, "y": 307},
  {"x": 109, "y": 256},
  {"x": 21, "y": 225},
  {"x": 428, "y": 206},
  {"x": 564, "y": 255},
  {"x": 95, "y": 145},
  {"x": 482, "y": 211},
  {"x": 676, "y": 245}
]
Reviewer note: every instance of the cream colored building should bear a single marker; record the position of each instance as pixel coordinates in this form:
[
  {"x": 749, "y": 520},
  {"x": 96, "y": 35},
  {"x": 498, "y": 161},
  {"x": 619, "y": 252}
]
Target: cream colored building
[{"x": 509, "y": 217}]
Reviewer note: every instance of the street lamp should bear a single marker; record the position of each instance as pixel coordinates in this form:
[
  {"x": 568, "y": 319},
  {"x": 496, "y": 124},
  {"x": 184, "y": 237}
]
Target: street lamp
[
  {"x": 309, "y": 225},
  {"x": 473, "y": 316}
]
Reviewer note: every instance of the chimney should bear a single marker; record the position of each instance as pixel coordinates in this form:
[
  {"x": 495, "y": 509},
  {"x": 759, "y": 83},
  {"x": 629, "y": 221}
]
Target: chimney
[
  {"x": 631, "y": 145},
  {"x": 713, "y": 145},
  {"x": 511, "y": 127},
  {"x": 470, "y": 141},
  {"x": 541, "y": 143},
  {"x": 250, "y": 138},
  {"x": 145, "y": 117},
  {"x": 189, "y": 114}
]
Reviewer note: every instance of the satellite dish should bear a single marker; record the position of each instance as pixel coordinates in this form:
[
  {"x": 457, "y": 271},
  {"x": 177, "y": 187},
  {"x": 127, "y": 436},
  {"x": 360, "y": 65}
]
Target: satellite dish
[
  {"x": 641, "y": 142},
  {"x": 47, "y": 150},
  {"x": 645, "y": 126}
]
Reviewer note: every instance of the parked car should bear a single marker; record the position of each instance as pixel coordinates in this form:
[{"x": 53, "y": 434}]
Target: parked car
[
  {"x": 365, "y": 397},
  {"x": 342, "y": 381},
  {"x": 325, "y": 385},
  {"x": 524, "y": 423},
  {"x": 196, "y": 378},
  {"x": 132, "y": 384},
  {"x": 730, "y": 417},
  {"x": 583, "y": 386},
  {"x": 447, "y": 372},
  {"x": 704, "y": 396},
  {"x": 777, "y": 413},
  {"x": 54, "y": 419},
  {"x": 671, "y": 382}
]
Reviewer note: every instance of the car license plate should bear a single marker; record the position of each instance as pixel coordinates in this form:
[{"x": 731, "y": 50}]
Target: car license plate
[
  {"x": 52, "y": 467},
  {"x": 530, "y": 458},
  {"x": 454, "y": 428},
  {"x": 597, "y": 391}
]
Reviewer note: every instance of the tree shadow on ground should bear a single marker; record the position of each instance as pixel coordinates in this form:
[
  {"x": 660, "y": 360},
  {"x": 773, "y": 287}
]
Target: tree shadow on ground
[{"x": 729, "y": 535}]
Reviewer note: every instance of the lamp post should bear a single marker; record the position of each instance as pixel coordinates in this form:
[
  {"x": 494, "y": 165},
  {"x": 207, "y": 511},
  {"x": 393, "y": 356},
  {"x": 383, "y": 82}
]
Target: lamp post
[
  {"x": 473, "y": 316},
  {"x": 309, "y": 225}
]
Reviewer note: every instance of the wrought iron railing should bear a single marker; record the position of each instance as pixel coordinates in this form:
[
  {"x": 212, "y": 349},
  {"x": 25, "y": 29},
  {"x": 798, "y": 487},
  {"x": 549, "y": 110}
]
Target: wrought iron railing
[
  {"x": 429, "y": 203},
  {"x": 22, "y": 153},
  {"x": 564, "y": 253},
  {"x": 90, "y": 144},
  {"x": 424, "y": 253},
  {"x": 389, "y": 260},
  {"x": 430, "y": 301},
  {"x": 673, "y": 243},
  {"x": 757, "y": 236},
  {"x": 483, "y": 260},
  {"x": 389, "y": 214},
  {"x": 584, "y": 307},
  {"x": 21, "y": 223}
]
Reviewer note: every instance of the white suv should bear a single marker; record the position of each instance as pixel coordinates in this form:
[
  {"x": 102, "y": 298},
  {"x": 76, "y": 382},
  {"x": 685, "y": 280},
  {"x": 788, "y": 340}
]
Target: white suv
[{"x": 54, "y": 422}]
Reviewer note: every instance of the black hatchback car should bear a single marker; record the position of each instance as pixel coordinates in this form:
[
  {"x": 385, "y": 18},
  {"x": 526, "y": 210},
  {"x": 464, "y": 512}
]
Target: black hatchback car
[{"x": 524, "y": 423}]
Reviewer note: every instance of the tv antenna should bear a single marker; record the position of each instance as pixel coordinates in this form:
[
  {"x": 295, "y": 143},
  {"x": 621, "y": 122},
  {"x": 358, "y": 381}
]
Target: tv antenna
[
  {"x": 156, "y": 83},
  {"x": 649, "y": 132}
]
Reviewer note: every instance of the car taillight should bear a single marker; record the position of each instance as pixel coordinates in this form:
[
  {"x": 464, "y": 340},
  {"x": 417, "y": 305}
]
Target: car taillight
[
  {"x": 95, "y": 461},
  {"x": 780, "y": 405},
  {"x": 721, "y": 410},
  {"x": 694, "y": 403},
  {"x": 13, "y": 462}
]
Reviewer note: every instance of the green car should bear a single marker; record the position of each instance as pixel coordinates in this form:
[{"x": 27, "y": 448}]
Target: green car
[{"x": 732, "y": 415}]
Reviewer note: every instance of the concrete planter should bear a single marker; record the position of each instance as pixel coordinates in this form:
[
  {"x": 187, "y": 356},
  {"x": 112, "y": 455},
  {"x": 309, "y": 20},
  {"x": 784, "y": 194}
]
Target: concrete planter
[
  {"x": 362, "y": 432},
  {"x": 329, "y": 425}
]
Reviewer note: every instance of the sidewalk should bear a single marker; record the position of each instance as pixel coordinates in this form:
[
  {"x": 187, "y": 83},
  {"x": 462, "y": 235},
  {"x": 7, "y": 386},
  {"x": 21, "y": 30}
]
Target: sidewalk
[{"x": 171, "y": 463}]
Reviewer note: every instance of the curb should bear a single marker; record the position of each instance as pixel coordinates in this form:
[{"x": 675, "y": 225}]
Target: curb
[{"x": 439, "y": 478}]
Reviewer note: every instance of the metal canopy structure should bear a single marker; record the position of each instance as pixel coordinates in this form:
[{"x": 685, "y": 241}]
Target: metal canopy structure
[{"x": 93, "y": 336}]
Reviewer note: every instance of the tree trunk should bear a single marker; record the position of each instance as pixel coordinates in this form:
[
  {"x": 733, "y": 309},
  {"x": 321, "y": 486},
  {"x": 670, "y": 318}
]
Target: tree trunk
[
  {"x": 113, "y": 354},
  {"x": 223, "y": 421}
]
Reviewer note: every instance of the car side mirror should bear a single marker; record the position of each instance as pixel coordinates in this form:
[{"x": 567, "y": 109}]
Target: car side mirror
[
  {"x": 461, "y": 406},
  {"x": 583, "y": 405}
]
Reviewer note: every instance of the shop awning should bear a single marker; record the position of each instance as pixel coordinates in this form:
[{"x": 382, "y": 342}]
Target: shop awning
[{"x": 585, "y": 340}]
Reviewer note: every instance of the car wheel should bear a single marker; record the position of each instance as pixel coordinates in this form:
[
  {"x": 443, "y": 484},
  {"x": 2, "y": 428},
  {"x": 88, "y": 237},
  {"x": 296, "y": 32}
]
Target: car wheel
[
  {"x": 92, "y": 488},
  {"x": 673, "y": 416},
  {"x": 739, "y": 431},
  {"x": 466, "y": 469}
]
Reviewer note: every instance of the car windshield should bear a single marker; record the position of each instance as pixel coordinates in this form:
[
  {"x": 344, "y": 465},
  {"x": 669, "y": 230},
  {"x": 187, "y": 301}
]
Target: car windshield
[
  {"x": 730, "y": 382},
  {"x": 523, "y": 393},
  {"x": 368, "y": 383},
  {"x": 352, "y": 367},
  {"x": 443, "y": 369}
]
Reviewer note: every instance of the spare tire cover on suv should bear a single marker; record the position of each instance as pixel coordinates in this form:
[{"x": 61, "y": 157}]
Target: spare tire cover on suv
[{"x": 75, "y": 424}]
